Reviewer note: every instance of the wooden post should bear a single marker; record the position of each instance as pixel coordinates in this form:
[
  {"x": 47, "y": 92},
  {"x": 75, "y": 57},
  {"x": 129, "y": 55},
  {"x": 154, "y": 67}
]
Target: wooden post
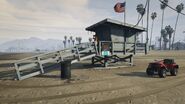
[
  {"x": 40, "y": 65},
  {"x": 131, "y": 60},
  {"x": 66, "y": 70},
  {"x": 125, "y": 45},
  {"x": 135, "y": 41},
  {"x": 112, "y": 48},
  {"x": 62, "y": 59},
  {"x": 78, "y": 53},
  {"x": 100, "y": 48},
  {"x": 17, "y": 71}
]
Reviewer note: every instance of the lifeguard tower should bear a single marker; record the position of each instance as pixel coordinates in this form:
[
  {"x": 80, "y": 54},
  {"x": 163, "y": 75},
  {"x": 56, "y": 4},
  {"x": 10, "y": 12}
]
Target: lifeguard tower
[{"x": 114, "y": 39}]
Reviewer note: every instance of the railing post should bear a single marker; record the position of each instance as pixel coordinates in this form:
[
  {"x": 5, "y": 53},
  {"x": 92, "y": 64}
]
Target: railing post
[
  {"x": 100, "y": 48},
  {"x": 62, "y": 59},
  {"x": 78, "y": 53},
  {"x": 17, "y": 71},
  {"x": 40, "y": 65},
  {"x": 112, "y": 48},
  {"x": 125, "y": 45}
]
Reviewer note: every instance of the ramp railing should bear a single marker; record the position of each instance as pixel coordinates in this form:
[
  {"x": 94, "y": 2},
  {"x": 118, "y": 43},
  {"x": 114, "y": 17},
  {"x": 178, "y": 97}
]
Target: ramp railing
[{"x": 35, "y": 65}]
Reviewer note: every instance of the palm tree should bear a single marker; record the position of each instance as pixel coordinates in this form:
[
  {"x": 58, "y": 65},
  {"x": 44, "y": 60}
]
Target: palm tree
[
  {"x": 179, "y": 8},
  {"x": 163, "y": 6},
  {"x": 77, "y": 39},
  {"x": 71, "y": 38},
  {"x": 165, "y": 39},
  {"x": 80, "y": 40},
  {"x": 153, "y": 16},
  {"x": 65, "y": 37},
  {"x": 73, "y": 41},
  {"x": 169, "y": 31},
  {"x": 69, "y": 41},
  {"x": 90, "y": 40},
  {"x": 64, "y": 43},
  {"x": 141, "y": 11}
]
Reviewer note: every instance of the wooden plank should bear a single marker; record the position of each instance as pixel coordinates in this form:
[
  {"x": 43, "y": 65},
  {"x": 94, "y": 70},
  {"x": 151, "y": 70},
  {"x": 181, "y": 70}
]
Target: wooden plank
[
  {"x": 27, "y": 66},
  {"x": 86, "y": 57},
  {"x": 49, "y": 60},
  {"x": 85, "y": 50},
  {"x": 30, "y": 75}
]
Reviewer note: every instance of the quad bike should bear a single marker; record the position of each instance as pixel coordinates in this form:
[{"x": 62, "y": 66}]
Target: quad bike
[{"x": 162, "y": 67}]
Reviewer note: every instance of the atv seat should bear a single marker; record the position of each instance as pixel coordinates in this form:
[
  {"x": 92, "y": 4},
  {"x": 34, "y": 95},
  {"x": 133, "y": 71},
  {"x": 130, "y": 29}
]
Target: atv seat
[{"x": 168, "y": 61}]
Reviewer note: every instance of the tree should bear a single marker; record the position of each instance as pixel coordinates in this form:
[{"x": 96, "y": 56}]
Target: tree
[
  {"x": 80, "y": 40},
  {"x": 163, "y": 6},
  {"x": 179, "y": 8},
  {"x": 90, "y": 40},
  {"x": 165, "y": 39},
  {"x": 141, "y": 11},
  {"x": 64, "y": 43},
  {"x": 169, "y": 31},
  {"x": 73, "y": 41},
  {"x": 71, "y": 38},
  {"x": 69, "y": 41},
  {"x": 153, "y": 16},
  {"x": 65, "y": 37}
]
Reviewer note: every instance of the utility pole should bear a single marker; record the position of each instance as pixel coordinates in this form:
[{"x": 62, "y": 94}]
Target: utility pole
[{"x": 148, "y": 12}]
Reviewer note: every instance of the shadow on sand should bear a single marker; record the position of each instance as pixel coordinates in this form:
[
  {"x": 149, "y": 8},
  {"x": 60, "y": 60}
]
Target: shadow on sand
[{"x": 134, "y": 74}]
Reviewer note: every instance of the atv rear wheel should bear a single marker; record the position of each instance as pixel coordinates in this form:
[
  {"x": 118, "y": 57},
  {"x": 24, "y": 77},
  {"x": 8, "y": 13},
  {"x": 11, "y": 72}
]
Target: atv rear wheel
[
  {"x": 174, "y": 72},
  {"x": 162, "y": 73}
]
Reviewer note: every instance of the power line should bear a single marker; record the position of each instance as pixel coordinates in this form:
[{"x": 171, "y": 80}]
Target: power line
[{"x": 171, "y": 7}]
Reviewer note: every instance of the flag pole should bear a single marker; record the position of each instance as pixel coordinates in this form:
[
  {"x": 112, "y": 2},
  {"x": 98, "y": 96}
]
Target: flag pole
[
  {"x": 148, "y": 12},
  {"x": 124, "y": 32},
  {"x": 125, "y": 13}
]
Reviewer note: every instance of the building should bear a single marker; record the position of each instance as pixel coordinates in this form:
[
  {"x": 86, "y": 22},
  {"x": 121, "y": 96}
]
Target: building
[{"x": 121, "y": 37}]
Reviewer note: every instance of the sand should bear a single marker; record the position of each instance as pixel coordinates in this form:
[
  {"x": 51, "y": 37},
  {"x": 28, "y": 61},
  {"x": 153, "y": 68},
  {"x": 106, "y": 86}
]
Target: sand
[{"x": 124, "y": 85}]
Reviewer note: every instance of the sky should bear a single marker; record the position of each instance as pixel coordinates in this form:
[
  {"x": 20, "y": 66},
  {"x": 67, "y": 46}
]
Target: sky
[{"x": 53, "y": 19}]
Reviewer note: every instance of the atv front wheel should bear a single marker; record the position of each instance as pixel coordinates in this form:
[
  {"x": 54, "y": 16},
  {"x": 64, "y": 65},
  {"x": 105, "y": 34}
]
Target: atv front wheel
[
  {"x": 162, "y": 73},
  {"x": 149, "y": 71}
]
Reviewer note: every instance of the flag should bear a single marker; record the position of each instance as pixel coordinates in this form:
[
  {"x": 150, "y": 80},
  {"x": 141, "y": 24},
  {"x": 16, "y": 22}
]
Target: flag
[{"x": 120, "y": 7}]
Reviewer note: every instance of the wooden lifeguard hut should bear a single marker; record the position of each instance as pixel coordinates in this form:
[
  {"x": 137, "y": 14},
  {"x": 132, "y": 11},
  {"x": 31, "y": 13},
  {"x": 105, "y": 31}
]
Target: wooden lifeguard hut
[{"x": 115, "y": 37}]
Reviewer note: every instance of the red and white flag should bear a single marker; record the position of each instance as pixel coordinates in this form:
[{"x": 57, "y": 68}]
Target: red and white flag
[{"x": 120, "y": 7}]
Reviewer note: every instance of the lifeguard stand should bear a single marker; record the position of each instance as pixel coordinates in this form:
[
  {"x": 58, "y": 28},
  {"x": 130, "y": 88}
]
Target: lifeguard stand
[{"x": 114, "y": 38}]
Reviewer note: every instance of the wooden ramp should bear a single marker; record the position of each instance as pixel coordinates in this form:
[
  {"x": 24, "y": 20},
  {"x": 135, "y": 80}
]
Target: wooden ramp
[{"x": 36, "y": 65}]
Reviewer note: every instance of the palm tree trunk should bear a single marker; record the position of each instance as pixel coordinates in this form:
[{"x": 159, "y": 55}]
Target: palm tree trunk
[
  {"x": 142, "y": 33},
  {"x": 138, "y": 24},
  {"x": 161, "y": 29},
  {"x": 175, "y": 30},
  {"x": 169, "y": 43},
  {"x": 165, "y": 45},
  {"x": 151, "y": 34}
]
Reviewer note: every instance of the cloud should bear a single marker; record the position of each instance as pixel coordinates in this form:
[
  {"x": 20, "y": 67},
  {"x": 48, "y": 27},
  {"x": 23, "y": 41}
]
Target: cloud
[
  {"x": 56, "y": 18},
  {"x": 28, "y": 18}
]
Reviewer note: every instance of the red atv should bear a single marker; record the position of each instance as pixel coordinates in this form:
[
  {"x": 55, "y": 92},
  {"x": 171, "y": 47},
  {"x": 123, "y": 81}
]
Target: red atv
[{"x": 162, "y": 67}]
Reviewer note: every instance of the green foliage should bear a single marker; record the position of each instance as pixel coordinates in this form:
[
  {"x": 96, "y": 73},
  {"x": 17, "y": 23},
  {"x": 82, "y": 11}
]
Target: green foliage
[
  {"x": 169, "y": 30},
  {"x": 164, "y": 4},
  {"x": 153, "y": 15},
  {"x": 140, "y": 9},
  {"x": 180, "y": 7}
]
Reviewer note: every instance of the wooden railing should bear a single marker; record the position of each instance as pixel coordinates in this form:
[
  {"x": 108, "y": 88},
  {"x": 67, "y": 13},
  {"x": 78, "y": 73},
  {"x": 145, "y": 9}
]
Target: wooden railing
[{"x": 35, "y": 65}]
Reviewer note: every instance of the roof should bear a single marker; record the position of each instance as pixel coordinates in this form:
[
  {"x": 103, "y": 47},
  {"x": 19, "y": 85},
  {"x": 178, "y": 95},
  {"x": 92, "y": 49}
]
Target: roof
[{"x": 114, "y": 22}]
